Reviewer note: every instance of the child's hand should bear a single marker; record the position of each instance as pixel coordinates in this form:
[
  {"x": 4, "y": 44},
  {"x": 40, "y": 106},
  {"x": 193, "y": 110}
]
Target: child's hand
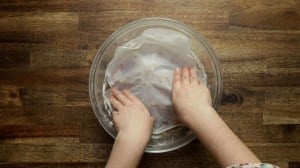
[
  {"x": 192, "y": 101},
  {"x": 191, "y": 98},
  {"x": 132, "y": 119},
  {"x": 134, "y": 125}
]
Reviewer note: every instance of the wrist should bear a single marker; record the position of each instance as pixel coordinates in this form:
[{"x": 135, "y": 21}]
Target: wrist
[
  {"x": 204, "y": 109},
  {"x": 133, "y": 140},
  {"x": 202, "y": 117}
]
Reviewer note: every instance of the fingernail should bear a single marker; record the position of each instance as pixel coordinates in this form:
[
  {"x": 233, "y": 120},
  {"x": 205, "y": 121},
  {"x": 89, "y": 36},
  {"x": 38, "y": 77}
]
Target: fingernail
[{"x": 177, "y": 69}]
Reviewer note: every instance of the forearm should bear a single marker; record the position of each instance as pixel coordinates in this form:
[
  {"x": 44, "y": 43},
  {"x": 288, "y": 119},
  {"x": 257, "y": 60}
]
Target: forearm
[
  {"x": 217, "y": 137},
  {"x": 126, "y": 152}
]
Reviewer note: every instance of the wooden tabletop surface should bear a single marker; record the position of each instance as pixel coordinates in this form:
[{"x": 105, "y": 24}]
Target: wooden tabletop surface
[{"x": 47, "y": 48}]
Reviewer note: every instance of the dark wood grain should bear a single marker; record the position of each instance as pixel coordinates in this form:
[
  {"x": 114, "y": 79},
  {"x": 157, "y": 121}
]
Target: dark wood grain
[
  {"x": 22, "y": 131},
  {"x": 47, "y": 47},
  {"x": 14, "y": 58}
]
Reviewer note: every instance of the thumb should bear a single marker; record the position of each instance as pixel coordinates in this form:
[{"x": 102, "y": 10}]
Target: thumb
[{"x": 115, "y": 115}]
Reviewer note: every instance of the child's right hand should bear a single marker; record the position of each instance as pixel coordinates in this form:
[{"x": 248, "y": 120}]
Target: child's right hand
[
  {"x": 190, "y": 96},
  {"x": 192, "y": 102}
]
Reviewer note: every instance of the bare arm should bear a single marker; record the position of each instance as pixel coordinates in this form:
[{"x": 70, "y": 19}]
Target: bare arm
[
  {"x": 192, "y": 101},
  {"x": 134, "y": 126}
]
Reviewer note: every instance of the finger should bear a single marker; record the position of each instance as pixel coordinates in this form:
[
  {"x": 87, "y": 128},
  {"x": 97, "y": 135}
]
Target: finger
[
  {"x": 120, "y": 96},
  {"x": 185, "y": 75},
  {"x": 193, "y": 76},
  {"x": 118, "y": 105},
  {"x": 177, "y": 78},
  {"x": 131, "y": 96}
]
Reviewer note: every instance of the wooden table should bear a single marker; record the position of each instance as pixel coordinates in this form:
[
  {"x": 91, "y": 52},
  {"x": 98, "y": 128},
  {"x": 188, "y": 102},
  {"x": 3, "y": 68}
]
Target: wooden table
[{"x": 47, "y": 48}]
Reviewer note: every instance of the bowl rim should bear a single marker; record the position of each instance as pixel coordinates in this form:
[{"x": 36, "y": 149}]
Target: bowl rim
[{"x": 148, "y": 22}]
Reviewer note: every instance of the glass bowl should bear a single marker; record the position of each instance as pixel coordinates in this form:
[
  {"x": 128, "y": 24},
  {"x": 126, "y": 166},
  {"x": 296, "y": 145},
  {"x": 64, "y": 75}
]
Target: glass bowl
[{"x": 176, "y": 137}]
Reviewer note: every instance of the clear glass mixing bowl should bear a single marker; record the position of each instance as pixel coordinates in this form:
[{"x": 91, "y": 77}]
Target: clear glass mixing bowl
[{"x": 174, "y": 138}]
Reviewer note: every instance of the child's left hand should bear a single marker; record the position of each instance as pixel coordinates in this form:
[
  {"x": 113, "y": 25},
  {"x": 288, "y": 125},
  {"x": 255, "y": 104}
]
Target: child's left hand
[{"x": 132, "y": 119}]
